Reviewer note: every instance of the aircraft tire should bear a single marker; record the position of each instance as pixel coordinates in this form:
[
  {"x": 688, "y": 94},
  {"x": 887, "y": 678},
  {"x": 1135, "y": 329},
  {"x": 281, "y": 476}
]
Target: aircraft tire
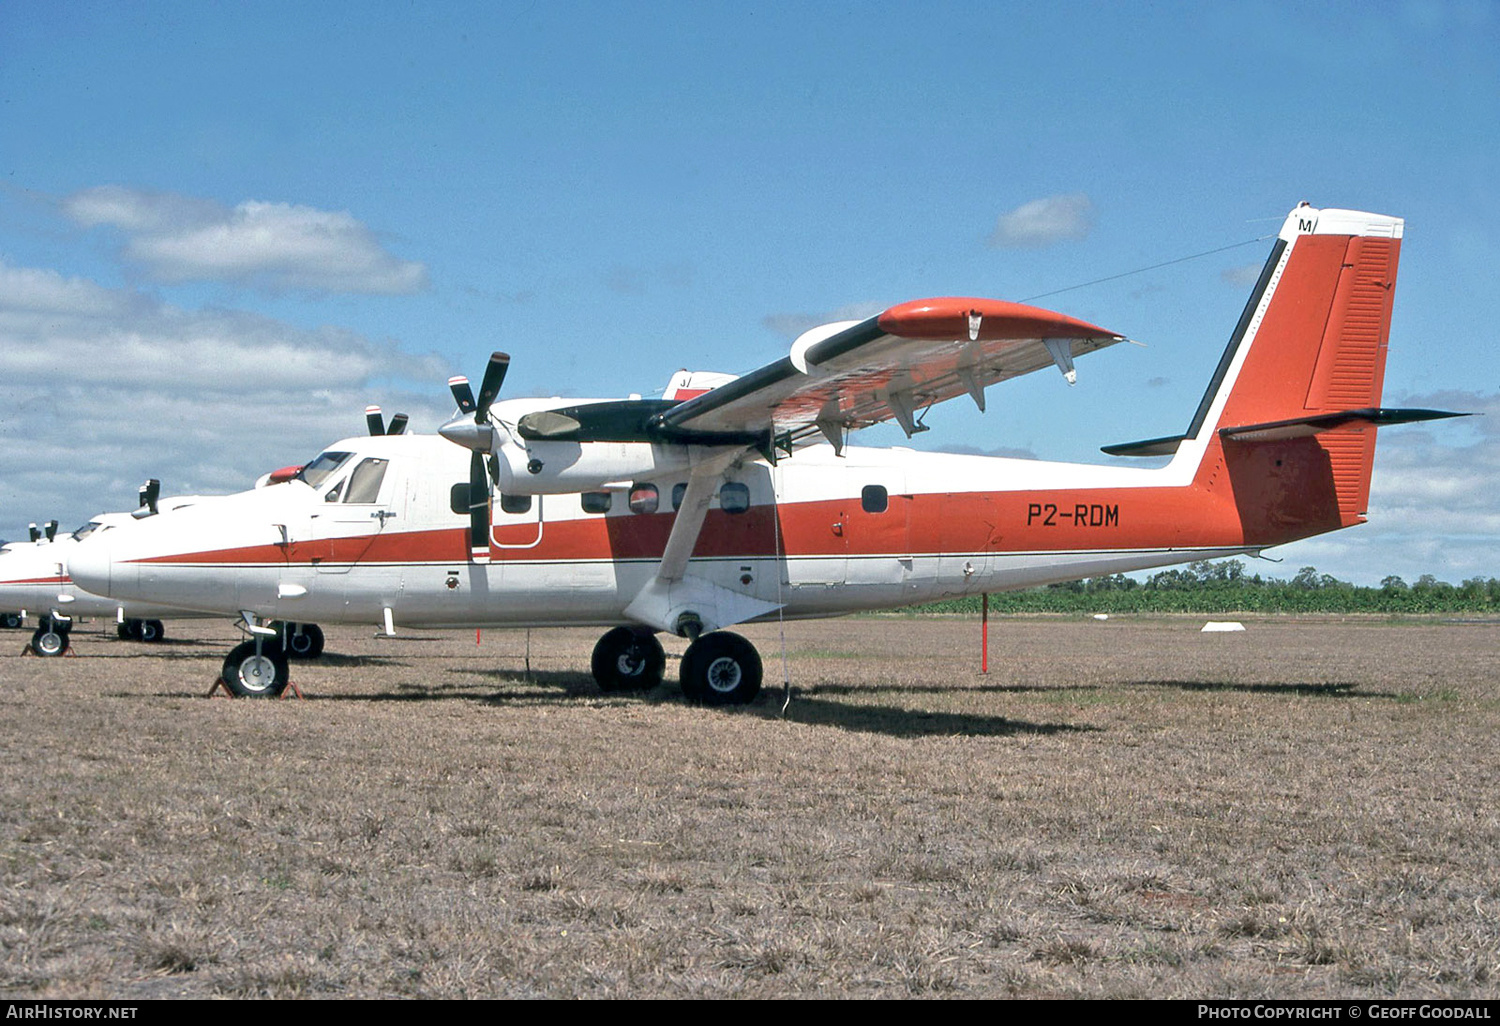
[
  {"x": 302, "y": 641},
  {"x": 126, "y": 630},
  {"x": 10, "y": 621},
  {"x": 721, "y": 668},
  {"x": 628, "y": 659},
  {"x": 150, "y": 630},
  {"x": 49, "y": 639},
  {"x": 252, "y": 674}
]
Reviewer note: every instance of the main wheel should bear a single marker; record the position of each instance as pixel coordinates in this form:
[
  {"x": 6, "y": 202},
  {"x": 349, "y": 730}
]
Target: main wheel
[
  {"x": 10, "y": 621},
  {"x": 150, "y": 630},
  {"x": 256, "y": 669},
  {"x": 128, "y": 630},
  {"x": 49, "y": 639},
  {"x": 628, "y": 659},
  {"x": 721, "y": 668},
  {"x": 302, "y": 640}
]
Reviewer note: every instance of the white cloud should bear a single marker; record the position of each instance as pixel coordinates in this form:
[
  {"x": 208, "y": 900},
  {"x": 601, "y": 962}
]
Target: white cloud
[
  {"x": 1043, "y": 222},
  {"x": 1242, "y": 277},
  {"x": 101, "y": 388},
  {"x": 272, "y": 246}
]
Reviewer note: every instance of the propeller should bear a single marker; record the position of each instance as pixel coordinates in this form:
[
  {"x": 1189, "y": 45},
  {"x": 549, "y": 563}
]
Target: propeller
[
  {"x": 149, "y": 493},
  {"x": 378, "y": 427},
  {"x": 472, "y": 434},
  {"x": 36, "y": 535},
  {"x": 50, "y": 529}
]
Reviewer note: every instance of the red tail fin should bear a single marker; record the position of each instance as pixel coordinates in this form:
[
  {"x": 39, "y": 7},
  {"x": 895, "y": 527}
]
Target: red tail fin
[{"x": 1316, "y": 344}]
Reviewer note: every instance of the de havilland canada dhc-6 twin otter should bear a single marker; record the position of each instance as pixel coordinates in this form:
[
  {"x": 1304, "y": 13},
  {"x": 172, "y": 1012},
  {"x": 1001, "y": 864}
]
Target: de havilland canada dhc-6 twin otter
[
  {"x": 34, "y": 577},
  {"x": 737, "y": 499}
]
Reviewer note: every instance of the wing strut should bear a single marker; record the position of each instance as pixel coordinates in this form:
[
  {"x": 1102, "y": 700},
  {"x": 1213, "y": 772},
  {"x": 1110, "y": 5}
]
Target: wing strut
[{"x": 677, "y": 601}]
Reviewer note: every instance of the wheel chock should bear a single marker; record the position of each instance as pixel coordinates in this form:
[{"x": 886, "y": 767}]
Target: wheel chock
[
  {"x": 219, "y": 682},
  {"x": 30, "y": 651}
]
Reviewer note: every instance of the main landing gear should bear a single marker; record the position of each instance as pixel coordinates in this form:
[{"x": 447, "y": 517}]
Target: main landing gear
[
  {"x": 628, "y": 659},
  {"x": 302, "y": 641},
  {"x": 719, "y": 668},
  {"x": 141, "y": 630}
]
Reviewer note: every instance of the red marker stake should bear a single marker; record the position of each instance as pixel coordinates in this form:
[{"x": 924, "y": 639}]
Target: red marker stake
[{"x": 984, "y": 634}]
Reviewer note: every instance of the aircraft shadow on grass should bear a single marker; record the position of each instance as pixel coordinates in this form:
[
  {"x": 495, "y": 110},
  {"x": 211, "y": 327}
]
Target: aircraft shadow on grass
[
  {"x": 897, "y": 722},
  {"x": 944, "y": 689},
  {"x": 1328, "y": 689}
]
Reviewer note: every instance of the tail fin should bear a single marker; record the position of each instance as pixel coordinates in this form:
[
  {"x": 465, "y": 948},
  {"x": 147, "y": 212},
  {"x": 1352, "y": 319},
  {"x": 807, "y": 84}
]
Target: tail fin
[
  {"x": 1292, "y": 407},
  {"x": 1314, "y": 346}
]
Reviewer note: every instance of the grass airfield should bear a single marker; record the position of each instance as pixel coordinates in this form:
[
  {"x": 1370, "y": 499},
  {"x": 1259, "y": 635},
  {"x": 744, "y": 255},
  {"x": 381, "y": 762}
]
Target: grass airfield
[{"x": 1118, "y": 809}]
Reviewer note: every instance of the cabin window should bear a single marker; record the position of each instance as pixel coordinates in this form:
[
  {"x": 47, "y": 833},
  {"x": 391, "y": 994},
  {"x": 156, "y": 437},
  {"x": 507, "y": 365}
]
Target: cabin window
[
  {"x": 515, "y": 503},
  {"x": 873, "y": 499},
  {"x": 734, "y": 497},
  {"x": 678, "y": 491},
  {"x": 595, "y": 502},
  {"x": 458, "y": 498},
  {"x": 644, "y": 498},
  {"x": 364, "y": 483}
]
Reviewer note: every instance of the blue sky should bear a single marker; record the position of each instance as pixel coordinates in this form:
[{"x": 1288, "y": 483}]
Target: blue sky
[{"x": 226, "y": 228}]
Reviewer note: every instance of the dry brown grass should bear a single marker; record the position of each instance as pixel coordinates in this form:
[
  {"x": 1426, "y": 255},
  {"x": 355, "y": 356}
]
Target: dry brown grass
[{"x": 1120, "y": 809}]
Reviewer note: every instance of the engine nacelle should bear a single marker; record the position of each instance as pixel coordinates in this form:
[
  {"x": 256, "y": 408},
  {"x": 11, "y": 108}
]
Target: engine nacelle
[{"x": 554, "y": 468}]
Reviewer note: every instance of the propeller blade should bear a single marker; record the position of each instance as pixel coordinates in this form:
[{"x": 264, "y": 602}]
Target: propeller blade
[
  {"x": 479, "y": 503},
  {"x": 398, "y": 425},
  {"x": 489, "y": 388},
  {"x": 149, "y": 493},
  {"x": 462, "y": 393},
  {"x": 373, "y": 418},
  {"x": 36, "y": 535},
  {"x": 50, "y": 527}
]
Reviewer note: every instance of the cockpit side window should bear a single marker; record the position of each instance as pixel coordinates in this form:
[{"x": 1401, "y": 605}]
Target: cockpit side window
[
  {"x": 316, "y": 472},
  {"x": 364, "y": 483}
]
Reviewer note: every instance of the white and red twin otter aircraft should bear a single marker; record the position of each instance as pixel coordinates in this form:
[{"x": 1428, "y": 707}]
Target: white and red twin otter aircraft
[{"x": 736, "y": 499}]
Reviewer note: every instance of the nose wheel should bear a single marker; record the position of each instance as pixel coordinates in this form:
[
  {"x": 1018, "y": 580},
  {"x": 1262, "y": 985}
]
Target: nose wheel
[
  {"x": 721, "y": 668},
  {"x": 50, "y": 639},
  {"x": 256, "y": 669}
]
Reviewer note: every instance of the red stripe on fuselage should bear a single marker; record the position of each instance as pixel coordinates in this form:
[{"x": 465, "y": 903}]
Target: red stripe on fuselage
[{"x": 1257, "y": 496}]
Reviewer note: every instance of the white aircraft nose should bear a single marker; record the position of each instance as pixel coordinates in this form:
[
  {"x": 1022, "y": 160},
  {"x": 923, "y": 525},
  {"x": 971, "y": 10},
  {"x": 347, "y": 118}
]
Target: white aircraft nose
[{"x": 91, "y": 563}]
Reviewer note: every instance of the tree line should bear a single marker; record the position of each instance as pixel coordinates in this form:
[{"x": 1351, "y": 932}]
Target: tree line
[{"x": 1224, "y": 587}]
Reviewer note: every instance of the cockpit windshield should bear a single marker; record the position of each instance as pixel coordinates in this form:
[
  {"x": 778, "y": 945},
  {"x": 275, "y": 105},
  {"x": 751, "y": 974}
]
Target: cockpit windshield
[
  {"x": 86, "y": 530},
  {"x": 316, "y": 472}
]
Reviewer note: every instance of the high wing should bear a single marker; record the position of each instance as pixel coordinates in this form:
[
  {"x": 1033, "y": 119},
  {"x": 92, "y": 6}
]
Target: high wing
[{"x": 892, "y": 366}]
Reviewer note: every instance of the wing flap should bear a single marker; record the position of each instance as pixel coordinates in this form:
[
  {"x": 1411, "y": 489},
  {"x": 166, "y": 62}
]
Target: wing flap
[{"x": 890, "y": 366}]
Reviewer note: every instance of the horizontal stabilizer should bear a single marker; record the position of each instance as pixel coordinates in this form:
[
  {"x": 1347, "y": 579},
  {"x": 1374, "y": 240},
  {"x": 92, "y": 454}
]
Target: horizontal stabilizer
[
  {"x": 1301, "y": 427},
  {"x": 1297, "y": 427},
  {"x": 1150, "y": 447}
]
